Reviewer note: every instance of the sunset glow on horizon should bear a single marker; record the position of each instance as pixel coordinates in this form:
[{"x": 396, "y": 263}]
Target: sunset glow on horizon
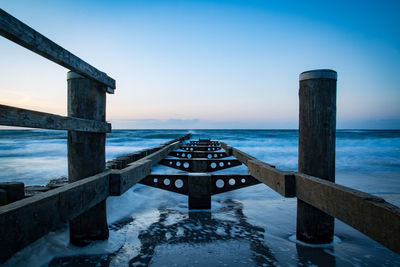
[{"x": 212, "y": 64}]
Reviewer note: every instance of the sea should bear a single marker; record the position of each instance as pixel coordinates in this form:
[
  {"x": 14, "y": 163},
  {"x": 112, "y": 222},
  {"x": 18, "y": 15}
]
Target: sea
[{"x": 252, "y": 226}]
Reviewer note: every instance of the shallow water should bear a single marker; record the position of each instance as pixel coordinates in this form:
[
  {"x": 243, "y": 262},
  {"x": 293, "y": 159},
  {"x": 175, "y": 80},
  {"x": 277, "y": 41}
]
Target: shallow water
[{"x": 251, "y": 226}]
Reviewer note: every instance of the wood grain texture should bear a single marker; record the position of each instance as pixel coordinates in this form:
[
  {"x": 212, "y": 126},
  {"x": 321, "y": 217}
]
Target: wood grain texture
[
  {"x": 280, "y": 181},
  {"x": 12, "y": 116},
  {"x": 27, "y": 220},
  {"x": 317, "y": 134},
  {"x": 367, "y": 213},
  {"x": 317, "y": 128},
  {"x": 86, "y": 155},
  {"x": 20, "y": 33},
  {"x": 123, "y": 179}
]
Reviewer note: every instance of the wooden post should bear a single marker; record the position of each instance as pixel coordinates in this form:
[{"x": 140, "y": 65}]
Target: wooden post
[
  {"x": 317, "y": 134},
  {"x": 86, "y": 154}
]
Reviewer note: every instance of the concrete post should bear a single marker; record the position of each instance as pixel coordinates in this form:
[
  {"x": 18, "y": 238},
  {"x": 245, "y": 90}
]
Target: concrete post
[
  {"x": 317, "y": 134},
  {"x": 86, "y": 154},
  {"x": 199, "y": 187}
]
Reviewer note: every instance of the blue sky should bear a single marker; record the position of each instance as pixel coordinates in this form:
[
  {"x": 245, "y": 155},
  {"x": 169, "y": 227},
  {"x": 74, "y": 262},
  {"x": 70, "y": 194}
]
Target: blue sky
[{"x": 213, "y": 64}]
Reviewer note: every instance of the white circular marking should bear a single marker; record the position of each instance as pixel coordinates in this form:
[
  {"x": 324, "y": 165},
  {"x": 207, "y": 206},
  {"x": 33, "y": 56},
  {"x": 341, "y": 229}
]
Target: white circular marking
[
  {"x": 179, "y": 183},
  {"x": 219, "y": 183}
]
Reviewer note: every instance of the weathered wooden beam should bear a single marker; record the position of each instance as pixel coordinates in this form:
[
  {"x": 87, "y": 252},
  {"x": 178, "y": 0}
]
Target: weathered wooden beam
[
  {"x": 367, "y": 213},
  {"x": 20, "y": 33},
  {"x": 27, "y": 220},
  {"x": 12, "y": 116},
  {"x": 122, "y": 180},
  {"x": 280, "y": 181},
  {"x": 228, "y": 149},
  {"x": 122, "y": 161},
  {"x": 157, "y": 156},
  {"x": 86, "y": 154},
  {"x": 317, "y": 135},
  {"x": 240, "y": 155}
]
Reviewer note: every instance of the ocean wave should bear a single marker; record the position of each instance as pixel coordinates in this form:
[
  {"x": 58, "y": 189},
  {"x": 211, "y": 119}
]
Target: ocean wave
[{"x": 366, "y": 150}]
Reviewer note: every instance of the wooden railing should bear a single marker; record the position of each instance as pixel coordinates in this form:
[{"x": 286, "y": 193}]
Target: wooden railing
[
  {"x": 82, "y": 202},
  {"x": 12, "y": 116},
  {"x": 367, "y": 213},
  {"x": 25, "y": 221},
  {"x": 20, "y": 33}
]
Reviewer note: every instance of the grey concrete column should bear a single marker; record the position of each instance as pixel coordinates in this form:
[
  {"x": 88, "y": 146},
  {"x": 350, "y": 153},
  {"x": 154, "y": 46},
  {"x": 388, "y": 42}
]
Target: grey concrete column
[
  {"x": 317, "y": 135},
  {"x": 86, "y": 154}
]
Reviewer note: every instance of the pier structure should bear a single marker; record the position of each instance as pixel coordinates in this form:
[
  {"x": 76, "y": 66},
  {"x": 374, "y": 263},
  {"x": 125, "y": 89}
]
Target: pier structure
[
  {"x": 199, "y": 185},
  {"x": 81, "y": 203}
]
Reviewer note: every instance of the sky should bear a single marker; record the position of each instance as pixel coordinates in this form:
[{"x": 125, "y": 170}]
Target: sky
[{"x": 212, "y": 64}]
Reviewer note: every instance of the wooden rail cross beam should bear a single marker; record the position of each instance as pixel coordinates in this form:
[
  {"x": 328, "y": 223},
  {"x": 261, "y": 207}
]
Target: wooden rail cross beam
[{"x": 20, "y": 33}]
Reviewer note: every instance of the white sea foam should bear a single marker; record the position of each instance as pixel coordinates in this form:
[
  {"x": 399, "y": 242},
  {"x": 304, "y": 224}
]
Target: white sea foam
[
  {"x": 41, "y": 252},
  {"x": 336, "y": 241},
  {"x": 255, "y": 220}
]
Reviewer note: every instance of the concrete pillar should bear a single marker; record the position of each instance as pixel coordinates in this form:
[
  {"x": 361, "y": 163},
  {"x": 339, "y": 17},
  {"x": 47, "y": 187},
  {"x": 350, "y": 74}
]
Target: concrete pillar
[
  {"x": 317, "y": 134},
  {"x": 86, "y": 154},
  {"x": 199, "y": 187}
]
